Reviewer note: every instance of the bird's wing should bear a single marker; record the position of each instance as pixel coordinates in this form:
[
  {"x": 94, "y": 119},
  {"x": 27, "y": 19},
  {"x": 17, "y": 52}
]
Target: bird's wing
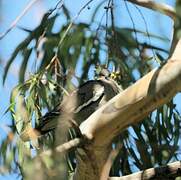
[
  {"x": 84, "y": 96},
  {"x": 49, "y": 121},
  {"x": 88, "y": 93}
]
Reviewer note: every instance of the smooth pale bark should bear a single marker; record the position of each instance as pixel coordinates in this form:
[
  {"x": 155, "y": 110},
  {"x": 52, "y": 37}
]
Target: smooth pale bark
[
  {"x": 160, "y": 7},
  {"x": 133, "y": 104},
  {"x": 127, "y": 108},
  {"x": 165, "y": 172}
]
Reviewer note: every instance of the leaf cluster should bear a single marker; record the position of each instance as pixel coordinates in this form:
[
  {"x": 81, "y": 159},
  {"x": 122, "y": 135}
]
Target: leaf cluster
[{"x": 151, "y": 143}]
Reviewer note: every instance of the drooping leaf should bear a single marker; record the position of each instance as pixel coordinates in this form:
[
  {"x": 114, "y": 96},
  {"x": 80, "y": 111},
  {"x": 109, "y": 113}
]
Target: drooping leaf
[
  {"x": 26, "y": 54},
  {"x": 18, "y": 49}
]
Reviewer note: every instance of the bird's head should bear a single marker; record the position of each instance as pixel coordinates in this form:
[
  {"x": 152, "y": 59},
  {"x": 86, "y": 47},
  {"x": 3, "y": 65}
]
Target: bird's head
[{"x": 101, "y": 71}]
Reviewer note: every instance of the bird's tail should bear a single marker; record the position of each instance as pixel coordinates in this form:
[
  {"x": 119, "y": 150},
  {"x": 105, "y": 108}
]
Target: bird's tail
[{"x": 47, "y": 123}]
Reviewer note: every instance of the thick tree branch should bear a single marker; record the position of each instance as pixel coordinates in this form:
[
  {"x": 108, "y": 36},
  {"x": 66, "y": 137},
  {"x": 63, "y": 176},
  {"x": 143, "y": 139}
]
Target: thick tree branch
[
  {"x": 177, "y": 52},
  {"x": 133, "y": 104},
  {"x": 169, "y": 171},
  {"x": 125, "y": 109},
  {"x": 160, "y": 7}
]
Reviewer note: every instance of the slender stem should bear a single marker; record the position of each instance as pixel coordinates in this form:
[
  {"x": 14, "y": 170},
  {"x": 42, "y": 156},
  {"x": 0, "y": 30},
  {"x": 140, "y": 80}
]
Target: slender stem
[
  {"x": 14, "y": 23},
  {"x": 161, "y": 7}
]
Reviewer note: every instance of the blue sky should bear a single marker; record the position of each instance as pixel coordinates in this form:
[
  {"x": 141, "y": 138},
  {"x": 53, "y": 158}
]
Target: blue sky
[{"x": 157, "y": 24}]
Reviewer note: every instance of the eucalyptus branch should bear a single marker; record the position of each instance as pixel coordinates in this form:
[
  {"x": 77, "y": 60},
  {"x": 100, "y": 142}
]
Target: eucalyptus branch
[
  {"x": 127, "y": 108},
  {"x": 14, "y": 23},
  {"x": 147, "y": 94},
  {"x": 170, "y": 171},
  {"x": 25, "y": 10},
  {"x": 161, "y": 7}
]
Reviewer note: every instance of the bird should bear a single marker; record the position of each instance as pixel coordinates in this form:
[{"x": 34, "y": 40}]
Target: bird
[{"x": 80, "y": 104}]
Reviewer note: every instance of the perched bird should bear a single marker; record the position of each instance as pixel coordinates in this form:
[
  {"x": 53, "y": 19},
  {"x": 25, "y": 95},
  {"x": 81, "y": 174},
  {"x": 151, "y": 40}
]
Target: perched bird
[{"x": 81, "y": 103}]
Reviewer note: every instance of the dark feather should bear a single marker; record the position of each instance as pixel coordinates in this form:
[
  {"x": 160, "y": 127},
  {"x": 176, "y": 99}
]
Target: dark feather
[{"x": 80, "y": 104}]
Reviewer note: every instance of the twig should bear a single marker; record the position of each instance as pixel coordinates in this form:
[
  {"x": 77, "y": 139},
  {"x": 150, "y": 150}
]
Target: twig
[
  {"x": 161, "y": 7},
  {"x": 76, "y": 142},
  {"x": 57, "y": 6},
  {"x": 147, "y": 32},
  {"x": 70, "y": 25},
  {"x": 29, "y": 5},
  {"x": 66, "y": 146},
  {"x": 14, "y": 23},
  {"x": 134, "y": 27}
]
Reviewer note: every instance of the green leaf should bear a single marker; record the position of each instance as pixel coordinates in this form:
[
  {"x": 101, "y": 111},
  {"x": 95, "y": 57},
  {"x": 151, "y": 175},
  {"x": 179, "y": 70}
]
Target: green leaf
[
  {"x": 66, "y": 12},
  {"x": 10, "y": 108},
  {"x": 18, "y": 49},
  {"x": 26, "y": 54},
  {"x": 145, "y": 157},
  {"x": 137, "y": 162}
]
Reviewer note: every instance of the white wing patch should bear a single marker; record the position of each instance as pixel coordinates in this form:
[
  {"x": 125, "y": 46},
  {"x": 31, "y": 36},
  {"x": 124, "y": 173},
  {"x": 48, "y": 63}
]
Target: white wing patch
[{"x": 97, "y": 93}]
